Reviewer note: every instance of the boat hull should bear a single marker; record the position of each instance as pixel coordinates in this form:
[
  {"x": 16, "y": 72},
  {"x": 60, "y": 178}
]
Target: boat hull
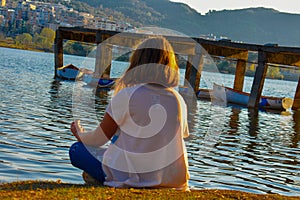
[
  {"x": 242, "y": 98},
  {"x": 69, "y": 72}
]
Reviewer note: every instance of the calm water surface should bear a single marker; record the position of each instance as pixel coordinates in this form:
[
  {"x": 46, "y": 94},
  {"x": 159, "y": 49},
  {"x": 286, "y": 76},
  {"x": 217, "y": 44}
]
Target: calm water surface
[{"x": 229, "y": 147}]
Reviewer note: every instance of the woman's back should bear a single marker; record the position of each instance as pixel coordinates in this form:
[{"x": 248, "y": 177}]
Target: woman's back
[{"x": 150, "y": 147}]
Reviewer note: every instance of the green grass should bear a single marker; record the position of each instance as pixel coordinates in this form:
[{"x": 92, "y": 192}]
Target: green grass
[{"x": 58, "y": 190}]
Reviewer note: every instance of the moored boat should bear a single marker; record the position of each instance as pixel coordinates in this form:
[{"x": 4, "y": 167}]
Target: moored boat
[
  {"x": 71, "y": 72},
  {"x": 68, "y": 72},
  {"x": 223, "y": 93}
]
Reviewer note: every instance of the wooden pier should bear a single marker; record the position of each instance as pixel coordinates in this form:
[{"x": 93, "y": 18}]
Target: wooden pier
[{"x": 282, "y": 56}]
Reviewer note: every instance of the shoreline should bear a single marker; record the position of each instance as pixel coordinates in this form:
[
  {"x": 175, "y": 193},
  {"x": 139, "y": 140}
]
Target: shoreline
[
  {"x": 34, "y": 189},
  {"x": 13, "y": 46}
]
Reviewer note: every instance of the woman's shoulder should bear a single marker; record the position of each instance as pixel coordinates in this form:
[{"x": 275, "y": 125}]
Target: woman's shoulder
[{"x": 126, "y": 93}]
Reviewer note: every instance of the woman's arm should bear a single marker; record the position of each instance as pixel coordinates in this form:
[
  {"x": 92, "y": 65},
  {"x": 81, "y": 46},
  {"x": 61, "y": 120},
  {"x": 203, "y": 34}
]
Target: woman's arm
[{"x": 98, "y": 137}]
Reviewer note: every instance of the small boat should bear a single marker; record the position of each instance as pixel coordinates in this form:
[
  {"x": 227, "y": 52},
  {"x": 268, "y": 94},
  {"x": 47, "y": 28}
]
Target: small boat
[
  {"x": 92, "y": 80},
  {"x": 226, "y": 94},
  {"x": 68, "y": 72},
  {"x": 71, "y": 72}
]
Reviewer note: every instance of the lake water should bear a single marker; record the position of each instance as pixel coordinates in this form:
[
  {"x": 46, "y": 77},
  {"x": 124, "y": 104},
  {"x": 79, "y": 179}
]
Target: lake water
[{"x": 229, "y": 147}]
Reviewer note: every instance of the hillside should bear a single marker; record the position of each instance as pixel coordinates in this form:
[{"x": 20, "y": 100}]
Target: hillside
[
  {"x": 163, "y": 13},
  {"x": 256, "y": 25},
  {"x": 252, "y": 25}
]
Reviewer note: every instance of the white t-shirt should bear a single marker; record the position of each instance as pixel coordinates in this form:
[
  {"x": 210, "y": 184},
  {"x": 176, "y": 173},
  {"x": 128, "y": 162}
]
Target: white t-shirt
[{"x": 150, "y": 150}]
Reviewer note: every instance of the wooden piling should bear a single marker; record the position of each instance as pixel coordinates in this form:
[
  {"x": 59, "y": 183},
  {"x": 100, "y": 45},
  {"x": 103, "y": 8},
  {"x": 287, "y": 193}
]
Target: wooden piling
[
  {"x": 103, "y": 61},
  {"x": 58, "y": 52},
  {"x": 259, "y": 79},
  {"x": 239, "y": 75},
  {"x": 194, "y": 68},
  {"x": 188, "y": 68}
]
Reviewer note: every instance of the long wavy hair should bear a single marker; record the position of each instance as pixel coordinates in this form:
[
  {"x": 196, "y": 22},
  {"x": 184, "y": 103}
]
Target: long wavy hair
[{"x": 153, "y": 61}]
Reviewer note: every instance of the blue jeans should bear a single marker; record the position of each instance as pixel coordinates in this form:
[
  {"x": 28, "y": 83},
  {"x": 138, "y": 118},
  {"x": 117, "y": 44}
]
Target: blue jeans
[{"x": 83, "y": 159}]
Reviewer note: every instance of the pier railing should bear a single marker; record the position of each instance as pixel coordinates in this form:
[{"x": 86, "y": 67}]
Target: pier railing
[{"x": 267, "y": 54}]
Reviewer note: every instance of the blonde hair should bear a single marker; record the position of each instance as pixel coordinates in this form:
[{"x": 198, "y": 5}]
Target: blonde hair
[{"x": 153, "y": 61}]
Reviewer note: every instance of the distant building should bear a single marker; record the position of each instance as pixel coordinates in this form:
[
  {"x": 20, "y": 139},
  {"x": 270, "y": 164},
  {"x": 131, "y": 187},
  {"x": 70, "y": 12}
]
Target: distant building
[
  {"x": 104, "y": 23},
  {"x": 32, "y": 16}
]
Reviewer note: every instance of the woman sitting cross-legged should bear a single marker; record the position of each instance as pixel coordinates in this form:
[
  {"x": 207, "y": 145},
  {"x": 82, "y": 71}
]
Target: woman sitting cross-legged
[{"x": 147, "y": 119}]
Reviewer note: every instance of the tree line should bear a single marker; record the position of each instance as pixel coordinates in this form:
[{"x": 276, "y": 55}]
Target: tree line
[
  {"x": 44, "y": 41},
  {"x": 39, "y": 41}
]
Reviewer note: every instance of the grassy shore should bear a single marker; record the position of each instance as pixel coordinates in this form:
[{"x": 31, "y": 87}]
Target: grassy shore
[
  {"x": 11, "y": 45},
  {"x": 58, "y": 190}
]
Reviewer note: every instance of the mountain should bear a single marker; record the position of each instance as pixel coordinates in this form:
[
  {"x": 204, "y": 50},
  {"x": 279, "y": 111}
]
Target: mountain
[
  {"x": 256, "y": 25},
  {"x": 162, "y": 13},
  {"x": 251, "y": 25}
]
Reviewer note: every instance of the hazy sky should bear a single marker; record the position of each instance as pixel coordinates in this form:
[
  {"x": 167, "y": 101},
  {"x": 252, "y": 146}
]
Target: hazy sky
[{"x": 203, "y": 6}]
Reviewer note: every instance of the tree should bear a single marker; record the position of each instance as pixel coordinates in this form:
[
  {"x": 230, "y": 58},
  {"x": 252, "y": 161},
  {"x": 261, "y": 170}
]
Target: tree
[
  {"x": 77, "y": 48},
  {"x": 24, "y": 39},
  {"x": 274, "y": 72},
  {"x": 40, "y": 41},
  {"x": 48, "y": 33},
  {"x": 45, "y": 39}
]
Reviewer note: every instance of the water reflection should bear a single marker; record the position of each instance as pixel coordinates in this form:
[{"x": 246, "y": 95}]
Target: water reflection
[
  {"x": 253, "y": 121},
  {"x": 253, "y": 153},
  {"x": 296, "y": 127},
  {"x": 102, "y": 98},
  {"x": 54, "y": 88},
  {"x": 234, "y": 120},
  {"x": 192, "y": 114},
  {"x": 60, "y": 100}
]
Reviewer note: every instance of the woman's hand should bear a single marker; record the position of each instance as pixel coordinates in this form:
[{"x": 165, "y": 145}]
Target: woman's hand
[
  {"x": 98, "y": 137},
  {"x": 77, "y": 129}
]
